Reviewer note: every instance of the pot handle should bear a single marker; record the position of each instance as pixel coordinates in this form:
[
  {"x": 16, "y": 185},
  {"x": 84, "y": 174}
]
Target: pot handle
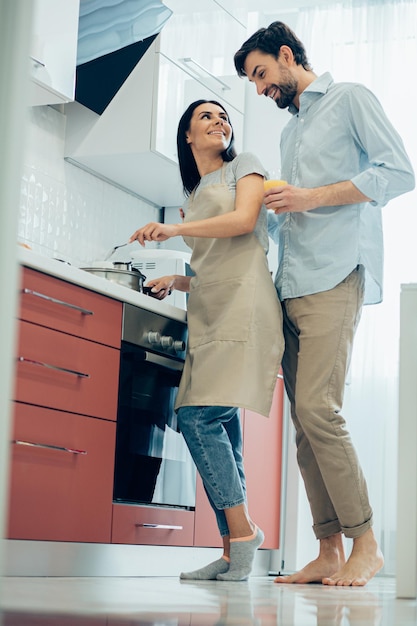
[{"x": 142, "y": 276}]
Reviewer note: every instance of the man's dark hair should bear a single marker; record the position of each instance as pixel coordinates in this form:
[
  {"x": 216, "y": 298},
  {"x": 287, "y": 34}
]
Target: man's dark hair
[{"x": 269, "y": 41}]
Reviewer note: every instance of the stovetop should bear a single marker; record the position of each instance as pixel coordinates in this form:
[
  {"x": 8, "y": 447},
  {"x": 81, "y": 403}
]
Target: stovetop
[{"x": 77, "y": 276}]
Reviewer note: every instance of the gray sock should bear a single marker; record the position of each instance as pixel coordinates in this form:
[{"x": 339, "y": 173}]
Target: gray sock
[
  {"x": 242, "y": 554},
  {"x": 209, "y": 572}
]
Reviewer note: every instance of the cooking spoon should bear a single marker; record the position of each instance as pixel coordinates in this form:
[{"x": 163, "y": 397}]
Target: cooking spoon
[{"x": 113, "y": 250}]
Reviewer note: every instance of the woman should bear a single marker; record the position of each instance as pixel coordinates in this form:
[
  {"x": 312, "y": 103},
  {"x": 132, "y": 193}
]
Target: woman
[{"x": 235, "y": 339}]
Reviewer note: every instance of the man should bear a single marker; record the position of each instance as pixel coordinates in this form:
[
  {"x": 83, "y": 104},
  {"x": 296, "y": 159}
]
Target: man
[{"x": 343, "y": 161}]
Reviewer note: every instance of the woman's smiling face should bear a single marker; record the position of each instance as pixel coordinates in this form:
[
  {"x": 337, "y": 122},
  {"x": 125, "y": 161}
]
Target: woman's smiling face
[{"x": 209, "y": 128}]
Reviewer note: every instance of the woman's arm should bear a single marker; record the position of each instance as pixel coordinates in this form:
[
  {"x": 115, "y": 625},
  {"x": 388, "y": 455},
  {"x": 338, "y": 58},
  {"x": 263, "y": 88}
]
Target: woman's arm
[
  {"x": 248, "y": 202},
  {"x": 162, "y": 287}
]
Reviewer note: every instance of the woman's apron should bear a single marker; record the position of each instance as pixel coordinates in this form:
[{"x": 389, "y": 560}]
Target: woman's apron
[{"x": 235, "y": 339}]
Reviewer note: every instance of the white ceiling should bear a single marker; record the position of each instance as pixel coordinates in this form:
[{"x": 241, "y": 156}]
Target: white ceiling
[{"x": 273, "y": 6}]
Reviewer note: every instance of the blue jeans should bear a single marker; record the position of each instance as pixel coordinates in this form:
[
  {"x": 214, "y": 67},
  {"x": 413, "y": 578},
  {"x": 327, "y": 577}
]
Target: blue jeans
[{"x": 214, "y": 438}]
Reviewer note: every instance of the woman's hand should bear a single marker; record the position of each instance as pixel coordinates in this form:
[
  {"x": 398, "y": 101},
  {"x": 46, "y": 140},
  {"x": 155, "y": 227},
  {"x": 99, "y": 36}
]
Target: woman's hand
[
  {"x": 154, "y": 231},
  {"x": 161, "y": 287}
]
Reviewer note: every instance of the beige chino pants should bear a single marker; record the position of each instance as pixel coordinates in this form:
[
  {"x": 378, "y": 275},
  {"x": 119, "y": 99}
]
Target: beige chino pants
[{"x": 319, "y": 330}]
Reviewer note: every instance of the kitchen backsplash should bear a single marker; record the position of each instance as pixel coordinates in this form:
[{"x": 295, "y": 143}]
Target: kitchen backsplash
[{"x": 66, "y": 212}]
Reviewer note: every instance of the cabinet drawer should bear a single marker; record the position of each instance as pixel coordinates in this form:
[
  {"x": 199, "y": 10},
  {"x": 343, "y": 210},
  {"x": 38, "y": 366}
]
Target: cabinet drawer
[
  {"x": 176, "y": 527},
  {"x": 64, "y": 372},
  {"x": 56, "y": 494},
  {"x": 54, "y": 303}
]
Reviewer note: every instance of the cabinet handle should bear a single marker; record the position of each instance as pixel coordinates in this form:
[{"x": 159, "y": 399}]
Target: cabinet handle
[
  {"x": 163, "y": 526},
  {"x": 37, "y": 61},
  {"x": 30, "y": 292},
  {"x": 200, "y": 68},
  {"x": 23, "y": 359},
  {"x": 48, "y": 446}
]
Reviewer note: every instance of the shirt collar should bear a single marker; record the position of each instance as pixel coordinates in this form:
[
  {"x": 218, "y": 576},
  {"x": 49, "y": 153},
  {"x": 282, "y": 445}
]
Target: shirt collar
[{"x": 319, "y": 86}]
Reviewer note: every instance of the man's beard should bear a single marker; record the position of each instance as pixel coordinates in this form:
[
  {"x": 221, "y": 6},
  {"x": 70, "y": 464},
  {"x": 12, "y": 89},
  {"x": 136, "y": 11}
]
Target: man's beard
[{"x": 287, "y": 93}]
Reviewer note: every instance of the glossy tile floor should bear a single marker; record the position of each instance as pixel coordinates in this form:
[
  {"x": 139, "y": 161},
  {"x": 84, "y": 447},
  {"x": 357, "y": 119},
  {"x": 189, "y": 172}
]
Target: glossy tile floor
[{"x": 171, "y": 602}]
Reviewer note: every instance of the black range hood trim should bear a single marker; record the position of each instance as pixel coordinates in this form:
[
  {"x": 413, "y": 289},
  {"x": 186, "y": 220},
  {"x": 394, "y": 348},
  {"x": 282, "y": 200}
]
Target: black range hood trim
[{"x": 98, "y": 81}]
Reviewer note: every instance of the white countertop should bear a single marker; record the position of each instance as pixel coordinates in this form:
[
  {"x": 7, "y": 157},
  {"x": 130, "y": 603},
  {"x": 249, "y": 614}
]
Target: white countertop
[{"x": 74, "y": 275}]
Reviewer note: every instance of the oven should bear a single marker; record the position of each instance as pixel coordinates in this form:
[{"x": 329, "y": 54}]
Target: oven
[{"x": 152, "y": 464}]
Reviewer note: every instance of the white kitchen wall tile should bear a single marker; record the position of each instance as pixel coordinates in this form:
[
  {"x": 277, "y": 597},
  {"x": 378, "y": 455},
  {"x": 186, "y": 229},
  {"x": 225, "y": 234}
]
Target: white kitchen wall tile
[{"x": 64, "y": 211}]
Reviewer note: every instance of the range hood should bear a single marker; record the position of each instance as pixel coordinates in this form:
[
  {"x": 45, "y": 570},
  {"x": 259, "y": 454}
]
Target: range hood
[
  {"x": 118, "y": 145},
  {"x": 113, "y": 35}
]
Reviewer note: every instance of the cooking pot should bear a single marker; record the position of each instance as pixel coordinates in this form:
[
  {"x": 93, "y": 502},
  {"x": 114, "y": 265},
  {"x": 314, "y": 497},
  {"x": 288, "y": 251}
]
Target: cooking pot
[{"x": 120, "y": 273}]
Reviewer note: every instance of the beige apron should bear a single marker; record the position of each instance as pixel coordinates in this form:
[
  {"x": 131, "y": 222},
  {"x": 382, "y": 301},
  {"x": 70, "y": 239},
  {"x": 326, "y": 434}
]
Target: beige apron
[{"x": 235, "y": 339}]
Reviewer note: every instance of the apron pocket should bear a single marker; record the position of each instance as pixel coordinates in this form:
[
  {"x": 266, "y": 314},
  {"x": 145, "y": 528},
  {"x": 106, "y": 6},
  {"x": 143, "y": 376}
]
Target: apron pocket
[{"x": 220, "y": 311}]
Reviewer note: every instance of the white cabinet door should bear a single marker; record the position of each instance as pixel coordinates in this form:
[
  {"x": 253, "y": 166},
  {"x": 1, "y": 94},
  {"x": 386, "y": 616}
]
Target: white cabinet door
[
  {"x": 239, "y": 9},
  {"x": 203, "y": 38},
  {"x": 176, "y": 89},
  {"x": 53, "y": 51}
]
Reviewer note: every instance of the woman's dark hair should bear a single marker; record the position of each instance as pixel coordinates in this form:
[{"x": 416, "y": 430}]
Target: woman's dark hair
[
  {"x": 269, "y": 41},
  {"x": 188, "y": 167}
]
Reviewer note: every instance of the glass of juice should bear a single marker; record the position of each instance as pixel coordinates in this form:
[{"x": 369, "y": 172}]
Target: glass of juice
[{"x": 268, "y": 184}]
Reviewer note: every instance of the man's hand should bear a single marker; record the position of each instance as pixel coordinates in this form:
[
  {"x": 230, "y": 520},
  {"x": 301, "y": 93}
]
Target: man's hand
[{"x": 289, "y": 199}]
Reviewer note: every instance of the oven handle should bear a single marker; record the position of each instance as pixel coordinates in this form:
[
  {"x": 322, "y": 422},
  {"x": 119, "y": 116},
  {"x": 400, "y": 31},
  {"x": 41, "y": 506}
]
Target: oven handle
[
  {"x": 163, "y": 526},
  {"x": 164, "y": 361}
]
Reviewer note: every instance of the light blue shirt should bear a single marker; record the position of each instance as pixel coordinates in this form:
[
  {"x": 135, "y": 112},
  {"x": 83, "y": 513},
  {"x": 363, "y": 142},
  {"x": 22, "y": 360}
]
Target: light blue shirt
[{"x": 340, "y": 133}]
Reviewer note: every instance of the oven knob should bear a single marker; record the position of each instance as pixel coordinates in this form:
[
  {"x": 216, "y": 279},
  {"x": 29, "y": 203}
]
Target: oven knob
[
  {"x": 166, "y": 341},
  {"x": 179, "y": 346},
  {"x": 154, "y": 337}
]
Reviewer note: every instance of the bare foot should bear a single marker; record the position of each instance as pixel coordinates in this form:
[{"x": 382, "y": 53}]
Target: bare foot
[
  {"x": 331, "y": 559},
  {"x": 365, "y": 561}
]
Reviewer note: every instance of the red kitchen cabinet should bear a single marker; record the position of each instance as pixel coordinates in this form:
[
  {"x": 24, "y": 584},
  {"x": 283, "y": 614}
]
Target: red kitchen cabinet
[
  {"x": 57, "y": 304},
  {"x": 262, "y": 453},
  {"x": 206, "y": 534},
  {"x": 61, "y": 483},
  {"x": 65, "y": 372},
  {"x": 144, "y": 525},
  {"x": 66, "y": 387}
]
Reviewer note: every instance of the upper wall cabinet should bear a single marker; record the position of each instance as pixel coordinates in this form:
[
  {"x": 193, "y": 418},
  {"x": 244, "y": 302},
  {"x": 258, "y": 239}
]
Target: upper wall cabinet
[
  {"x": 239, "y": 9},
  {"x": 53, "y": 51},
  {"x": 203, "y": 41}
]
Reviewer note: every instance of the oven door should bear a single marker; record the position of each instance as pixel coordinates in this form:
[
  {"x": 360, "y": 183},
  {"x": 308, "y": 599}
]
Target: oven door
[{"x": 153, "y": 465}]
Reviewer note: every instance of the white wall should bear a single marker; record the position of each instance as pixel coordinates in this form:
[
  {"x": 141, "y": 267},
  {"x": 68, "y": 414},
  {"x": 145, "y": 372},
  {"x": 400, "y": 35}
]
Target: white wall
[{"x": 65, "y": 212}]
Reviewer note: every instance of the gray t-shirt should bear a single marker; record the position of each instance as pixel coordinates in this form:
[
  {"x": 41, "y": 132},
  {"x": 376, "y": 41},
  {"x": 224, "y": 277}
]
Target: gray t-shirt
[{"x": 244, "y": 164}]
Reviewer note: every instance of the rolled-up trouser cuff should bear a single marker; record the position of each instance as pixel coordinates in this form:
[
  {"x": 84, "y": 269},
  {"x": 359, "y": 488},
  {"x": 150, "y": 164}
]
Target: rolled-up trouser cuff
[
  {"x": 358, "y": 531},
  {"x": 322, "y": 531}
]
